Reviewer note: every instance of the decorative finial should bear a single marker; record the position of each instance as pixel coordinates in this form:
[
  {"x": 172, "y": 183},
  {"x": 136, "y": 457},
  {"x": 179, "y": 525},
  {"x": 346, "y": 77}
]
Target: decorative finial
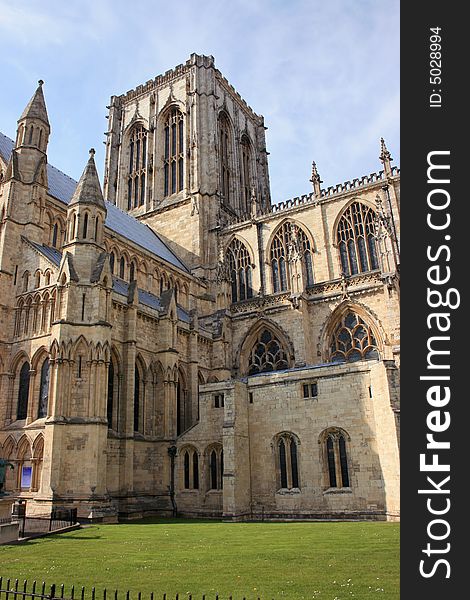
[
  {"x": 384, "y": 153},
  {"x": 92, "y": 152},
  {"x": 316, "y": 181},
  {"x": 41, "y": 83},
  {"x": 385, "y": 158}
]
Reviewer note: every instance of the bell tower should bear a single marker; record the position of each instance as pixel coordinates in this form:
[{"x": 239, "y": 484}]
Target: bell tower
[{"x": 184, "y": 154}]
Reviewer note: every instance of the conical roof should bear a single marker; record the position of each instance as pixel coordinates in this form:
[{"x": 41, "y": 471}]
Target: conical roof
[
  {"x": 88, "y": 190},
  {"x": 36, "y": 108}
]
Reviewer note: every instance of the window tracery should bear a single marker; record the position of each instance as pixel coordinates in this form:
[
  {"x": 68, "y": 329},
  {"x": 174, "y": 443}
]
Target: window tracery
[
  {"x": 267, "y": 354},
  {"x": 356, "y": 240},
  {"x": 173, "y": 162},
  {"x": 240, "y": 269},
  {"x": 353, "y": 340},
  {"x": 289, "y": 247},
  {"x": 137, "y": 167}
]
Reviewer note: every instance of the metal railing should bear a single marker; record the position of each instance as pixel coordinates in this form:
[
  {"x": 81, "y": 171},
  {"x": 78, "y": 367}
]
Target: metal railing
[{"x": 12, "y": 589}]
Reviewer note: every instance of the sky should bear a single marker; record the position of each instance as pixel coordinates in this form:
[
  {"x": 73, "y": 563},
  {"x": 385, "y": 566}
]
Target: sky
[{"x": 323, "y": 73}]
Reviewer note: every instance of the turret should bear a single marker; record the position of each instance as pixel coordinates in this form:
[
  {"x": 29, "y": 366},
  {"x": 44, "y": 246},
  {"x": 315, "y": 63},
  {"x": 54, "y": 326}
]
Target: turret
[
  {"x": 32, "y": 138},
  {"x": 86, "y": 216}
]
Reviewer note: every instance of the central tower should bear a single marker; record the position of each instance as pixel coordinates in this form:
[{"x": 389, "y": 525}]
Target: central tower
[{"x": 186, "y": 154}]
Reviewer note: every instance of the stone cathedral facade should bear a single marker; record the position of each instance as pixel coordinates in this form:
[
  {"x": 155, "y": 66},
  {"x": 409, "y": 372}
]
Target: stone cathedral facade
[{"x": 175, "y": 343}]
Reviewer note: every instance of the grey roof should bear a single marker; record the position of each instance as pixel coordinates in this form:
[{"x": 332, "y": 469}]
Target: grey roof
[
  {"x": 147, "y": 299},
  {"x": 51, "y": 254},
  {"x": 62, "y": 187}
]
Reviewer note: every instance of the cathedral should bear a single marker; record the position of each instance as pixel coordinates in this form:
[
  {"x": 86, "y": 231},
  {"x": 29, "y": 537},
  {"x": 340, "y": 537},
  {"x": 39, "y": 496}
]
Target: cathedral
[{"x": 173, "y": 342}]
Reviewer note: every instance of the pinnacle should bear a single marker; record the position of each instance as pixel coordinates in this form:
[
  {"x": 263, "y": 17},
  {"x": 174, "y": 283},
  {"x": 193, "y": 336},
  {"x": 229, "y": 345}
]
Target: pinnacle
[
  {"x": 36, "y": 108},
  {"x": 88, "y": 190},
  {"x": 384, "y": 153}
]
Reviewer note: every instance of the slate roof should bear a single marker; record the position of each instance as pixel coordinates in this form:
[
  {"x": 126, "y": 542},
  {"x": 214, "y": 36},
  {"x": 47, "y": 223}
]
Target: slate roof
[
  {"x": 147, "y": 299},
  {"x": 51, "y": 254},
  {"x": 62, "y": 187}
]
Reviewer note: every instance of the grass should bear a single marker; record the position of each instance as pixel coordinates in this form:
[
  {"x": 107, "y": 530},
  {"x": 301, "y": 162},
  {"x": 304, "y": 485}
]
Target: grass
[{"x": 325, "y": 561}]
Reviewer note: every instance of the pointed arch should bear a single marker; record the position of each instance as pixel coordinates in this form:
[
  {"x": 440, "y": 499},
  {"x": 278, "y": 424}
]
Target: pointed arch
[
  {"x": 214, "y": 464},
  {"x": 334, "y": 443},
  {"x": 355, "y": 237},
  {"x": 182, "y": 395},
  {"x": 286, "y": 446},
  {"x": 350, "y": 334},
  {"x": 265, "y": 347},
  {"x": 240, "y": 265},
  {"x": 290, "y": 242},
  {"x": 225, "y": 150},
  {"x": 172, "y": 121},
  {"x": 246, "y": 172},
  {"x": 113, "y": 389}
]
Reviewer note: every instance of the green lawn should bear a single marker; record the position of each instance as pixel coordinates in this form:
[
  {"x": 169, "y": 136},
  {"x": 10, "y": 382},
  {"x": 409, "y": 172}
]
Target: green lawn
[{"x": 326, "y": 561}]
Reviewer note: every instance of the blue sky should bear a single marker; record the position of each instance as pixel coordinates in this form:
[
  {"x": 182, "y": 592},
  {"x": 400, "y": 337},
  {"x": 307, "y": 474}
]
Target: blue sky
[{"x": 324, "y": 73}]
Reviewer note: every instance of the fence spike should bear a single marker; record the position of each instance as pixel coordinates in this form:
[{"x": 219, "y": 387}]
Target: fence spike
[
  {"x": 33, "y": 591},
  {"x": 83, "y": 593},
  {"x": 52, "y": 594},
  {"x": 72, "y": 592},
  {"x": 92, "y": 593},
  {"x": 104, "y": 594},
  {"x": 164, "y": 596},
  {"x": 115, "y": 595},
  {"x": 43, "y": 588},
  {"x": 127, "y": 595},
  {"x": 62, "y": 590}
]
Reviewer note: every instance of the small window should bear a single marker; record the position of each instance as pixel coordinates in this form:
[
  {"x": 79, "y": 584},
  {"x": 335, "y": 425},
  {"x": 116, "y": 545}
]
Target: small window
[
  {"x": 250, "y": 397},
  {"x": 310, "y": 390},
  {"x": 219, "y": 401}
]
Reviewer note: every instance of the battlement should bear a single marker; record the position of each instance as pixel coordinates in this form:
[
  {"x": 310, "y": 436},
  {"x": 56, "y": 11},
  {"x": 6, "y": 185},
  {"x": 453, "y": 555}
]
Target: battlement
[
  {"x": 329, "y": 192},
  {"x": 180, "y": 70}
]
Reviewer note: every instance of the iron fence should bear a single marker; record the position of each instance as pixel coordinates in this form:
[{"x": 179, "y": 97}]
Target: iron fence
[
  {"x": 37, "y": 524},
  {"x": 12, "y": 589}
]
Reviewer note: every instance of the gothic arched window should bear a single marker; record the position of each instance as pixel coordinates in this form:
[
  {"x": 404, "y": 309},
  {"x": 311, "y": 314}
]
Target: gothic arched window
[
  {"x": 267, "y": 354},
  {"x": 112, "y": 259},
  {"x": 173, "y": 162},
  {"x": 288, "y": 462},
  {"x": 290, "y": 243},
  {"x": 336, "y": 459},
  {"x": 122, "y": 268},
  {"x": 110, "y": 399},
  {"x": 239, "y": 264},
  {"x": 23, "y": 392},
  {"x": 216, "y": 468},
  {"x": 55, "y": 235},
  {"x": 356, "y": 240},
  {"x": 225, "y": 141},
  {"x": 353, "y": 340},
  {"x": 44, "y": 389},
  {"x": 137, "y": 167},
  {"x": 136, "y": 399},
  {"x": 190, "y": 469},
  {"x": 245, "y": 173}
]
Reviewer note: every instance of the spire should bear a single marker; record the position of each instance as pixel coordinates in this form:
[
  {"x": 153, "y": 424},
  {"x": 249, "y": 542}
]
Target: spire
[
  {"x": 316, "y": 181},
  {"x": 36, "y": 108},
  {"x": 88, "y": 190},
  {"x": 385, "y": 158}
]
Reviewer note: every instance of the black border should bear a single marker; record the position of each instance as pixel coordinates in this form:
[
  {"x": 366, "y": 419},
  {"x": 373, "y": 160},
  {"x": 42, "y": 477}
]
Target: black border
[{"x": 424, "y": 129}]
